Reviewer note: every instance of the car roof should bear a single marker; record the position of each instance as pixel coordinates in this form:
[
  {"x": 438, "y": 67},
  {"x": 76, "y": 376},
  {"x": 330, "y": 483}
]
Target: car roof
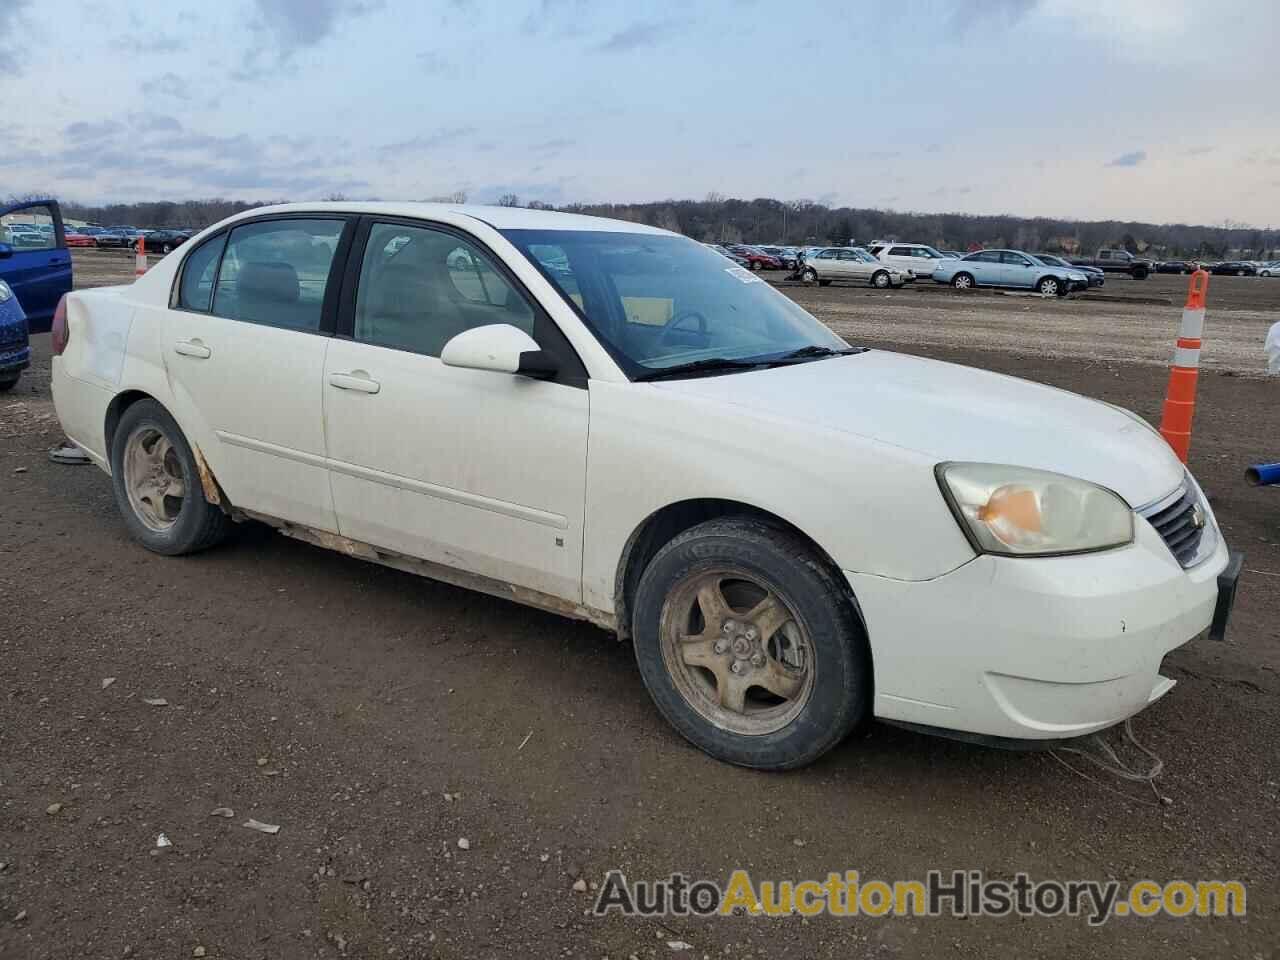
[{"x": 500, "y": 218}]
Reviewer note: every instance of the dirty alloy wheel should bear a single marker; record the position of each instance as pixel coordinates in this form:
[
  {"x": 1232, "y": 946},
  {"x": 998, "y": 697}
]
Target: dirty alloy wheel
[
  {"x": 166, "y": 248},
  {"x": 962, "y": 281},
  {"x": 157, "y": 484},
  {"x": 748, "y": 645},
  {"x": 1241, "y": 273},
  {"x": 1048, "y": 287},
  {"x": 757, "y": 266},
  {"x": 810, "y": 276},
  {"x": 880, "y": 279}
]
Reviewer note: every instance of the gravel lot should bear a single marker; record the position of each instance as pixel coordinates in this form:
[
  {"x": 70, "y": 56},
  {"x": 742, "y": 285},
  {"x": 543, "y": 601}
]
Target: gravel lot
[{"x": 379, "y": 718}]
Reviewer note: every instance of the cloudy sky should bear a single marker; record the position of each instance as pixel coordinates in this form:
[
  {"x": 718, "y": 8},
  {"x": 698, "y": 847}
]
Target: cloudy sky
[{"x": 1164, "y": 111}]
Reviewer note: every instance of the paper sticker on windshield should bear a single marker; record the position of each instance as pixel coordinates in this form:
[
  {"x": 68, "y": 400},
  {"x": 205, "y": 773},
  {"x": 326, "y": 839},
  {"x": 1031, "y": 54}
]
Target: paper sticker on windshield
[{"x": 743, "y": 274}]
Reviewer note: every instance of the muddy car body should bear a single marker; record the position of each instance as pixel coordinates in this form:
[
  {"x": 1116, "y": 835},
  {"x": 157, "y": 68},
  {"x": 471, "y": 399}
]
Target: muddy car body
[{"x": 615, "y": 423}]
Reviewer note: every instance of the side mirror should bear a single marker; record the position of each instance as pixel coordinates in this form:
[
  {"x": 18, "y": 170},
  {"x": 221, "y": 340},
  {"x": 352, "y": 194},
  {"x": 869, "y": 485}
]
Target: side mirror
[
  {"x": 499, "y": 348},
  {"x": 6, "y": 251}
]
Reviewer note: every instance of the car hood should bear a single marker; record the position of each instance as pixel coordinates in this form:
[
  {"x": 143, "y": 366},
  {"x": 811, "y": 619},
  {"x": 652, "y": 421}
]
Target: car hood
[{"x": 950, "y": 412}]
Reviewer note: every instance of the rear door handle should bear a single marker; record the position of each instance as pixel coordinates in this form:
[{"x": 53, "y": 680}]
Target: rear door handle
[
  {"x": 355, "y": 380},
  {"x": 192, "y": 348}
]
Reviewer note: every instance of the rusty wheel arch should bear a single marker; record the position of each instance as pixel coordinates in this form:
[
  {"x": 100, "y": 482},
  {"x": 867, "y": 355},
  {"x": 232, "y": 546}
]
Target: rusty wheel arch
[
  {"x": 662, "y": 526},
  {"x": 121, "y": 402}
]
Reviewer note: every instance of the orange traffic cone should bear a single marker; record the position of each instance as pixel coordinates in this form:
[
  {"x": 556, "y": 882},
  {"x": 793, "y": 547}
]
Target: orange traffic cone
[
  {"x": 1180, "y": 398},
  {"x": 140, "y": 261}
]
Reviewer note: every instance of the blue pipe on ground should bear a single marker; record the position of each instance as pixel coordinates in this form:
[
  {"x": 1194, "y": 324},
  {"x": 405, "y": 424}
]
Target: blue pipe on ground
[{"x": 1263, "y": 474}]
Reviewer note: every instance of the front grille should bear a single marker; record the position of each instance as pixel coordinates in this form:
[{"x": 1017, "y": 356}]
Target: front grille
[{"x": 1181, "y": 525}]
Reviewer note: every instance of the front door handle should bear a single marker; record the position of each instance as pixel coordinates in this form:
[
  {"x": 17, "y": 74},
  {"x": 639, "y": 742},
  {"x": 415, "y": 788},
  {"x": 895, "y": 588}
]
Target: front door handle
[
  {"x": 355, "y": 380},
  {"x": 192, "y": 348}
]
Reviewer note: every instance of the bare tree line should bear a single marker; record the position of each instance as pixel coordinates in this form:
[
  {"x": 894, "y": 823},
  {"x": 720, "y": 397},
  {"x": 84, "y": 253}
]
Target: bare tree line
[{"x": 721, "y": 219}]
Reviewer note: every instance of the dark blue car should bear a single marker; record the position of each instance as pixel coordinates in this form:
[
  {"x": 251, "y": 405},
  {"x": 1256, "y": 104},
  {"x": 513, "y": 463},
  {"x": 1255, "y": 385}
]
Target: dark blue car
[
  {"x": 34, "y": 259},
  {"x": 15, "y": 352}
]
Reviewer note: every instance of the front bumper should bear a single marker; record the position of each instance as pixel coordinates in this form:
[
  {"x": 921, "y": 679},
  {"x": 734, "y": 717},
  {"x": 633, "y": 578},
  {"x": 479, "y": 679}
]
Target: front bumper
[
  {"x": 12, "y": 361},
  {"x": 1036, "y": 648}
]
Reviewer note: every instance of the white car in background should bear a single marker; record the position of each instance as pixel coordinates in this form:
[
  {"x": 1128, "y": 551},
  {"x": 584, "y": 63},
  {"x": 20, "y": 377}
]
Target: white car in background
[
  {"x": 824, "y": 265},
  {"x": 614, "y": 423},
  {"x": 918, "y": 260},
  {"x": 1271, "y": 269}
]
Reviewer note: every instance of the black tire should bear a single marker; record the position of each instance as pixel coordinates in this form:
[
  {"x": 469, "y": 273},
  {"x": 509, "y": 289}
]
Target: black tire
[
  {"x": 810, "y": 275},
  {"x": 963, "y": 281},
  {"x": 166, "y": 248},
  {"x": 199, "y": 524},
  {"x": 757, "y": 266},
  {"x": 1140, "y": 273},
  {"x": 1049, "y": 286},
  {"x": 839, "y": 697},
  {"x": 7, "y": 385},
  {"x": 881, "y": 279},
  {"x": 824, "y": 283}
]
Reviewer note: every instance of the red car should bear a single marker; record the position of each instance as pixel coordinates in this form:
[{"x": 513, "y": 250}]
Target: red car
[
  {"x": 77, "y": 239},
  {"x": 758, "y": 259}
]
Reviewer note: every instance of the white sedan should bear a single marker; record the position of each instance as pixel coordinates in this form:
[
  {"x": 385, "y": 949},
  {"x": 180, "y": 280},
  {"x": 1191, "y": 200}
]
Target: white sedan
[{"x": 612, "y": 422}]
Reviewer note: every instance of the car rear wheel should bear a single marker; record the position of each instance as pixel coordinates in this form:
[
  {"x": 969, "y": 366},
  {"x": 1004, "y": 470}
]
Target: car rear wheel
[
  {"x": 757, "y": 266},
  {"x": 810, "y": 276},
  {"x": 1048, "y": 287},
  {"x": 157, "y": 484},
  {"x": 166, "y": 248},
  {"x": 880, "y": 279},
  {"x": 1241, "y": 273},
  {"x": 962, "y": 281},
  {"x": 748, "y": 645}
]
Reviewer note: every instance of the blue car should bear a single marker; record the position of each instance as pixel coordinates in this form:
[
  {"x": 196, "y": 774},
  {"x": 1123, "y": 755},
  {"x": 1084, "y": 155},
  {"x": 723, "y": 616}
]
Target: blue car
[
  {"x": 15, "y": 350},
  {"x": 35, "y": 262},
  {"x": 1009, "y": 268}
]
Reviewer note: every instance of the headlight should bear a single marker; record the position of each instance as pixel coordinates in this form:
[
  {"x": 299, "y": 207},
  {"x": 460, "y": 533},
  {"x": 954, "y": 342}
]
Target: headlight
[
  {"x": 5, "y": 293},
  {"x": 1017, "y": 511}
]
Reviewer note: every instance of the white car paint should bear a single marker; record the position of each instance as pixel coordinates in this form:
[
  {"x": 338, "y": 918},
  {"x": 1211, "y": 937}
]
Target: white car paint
[
  {"x": 542, "y": 486},
  {"x": 916, "y": 259}
]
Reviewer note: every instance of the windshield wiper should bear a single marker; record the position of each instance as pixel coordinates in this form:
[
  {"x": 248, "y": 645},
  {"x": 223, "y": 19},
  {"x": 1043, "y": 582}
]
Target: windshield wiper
[
  {"x": 814, "y": 352},
  {"x": 707, "y": 365}
]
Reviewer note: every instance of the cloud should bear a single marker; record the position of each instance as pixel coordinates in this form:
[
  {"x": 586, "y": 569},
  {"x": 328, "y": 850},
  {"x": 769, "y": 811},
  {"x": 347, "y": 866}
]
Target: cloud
[
  {"x": 1197, "y": 151},
  {"x": 150, "y": 42},
  {"x": 441, "y": 138},
  {"x": 1005, "y": 13},
  {"x": 1134, "y": 159},
  {"x": 83, "y": 130},
  {"x": 167, "y": 85},
  {"x": 9, "y": 20},
  {"x": 554, "y": 146},
  {"x": 432, "y": 63},
  {"x": 646, "y": 33},
  {"x": 292, "y": 25},
  {"x": 153, "y": 122}
]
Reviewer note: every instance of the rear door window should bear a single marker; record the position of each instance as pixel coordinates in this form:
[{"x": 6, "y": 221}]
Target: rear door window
[
  {"x": 195, "y": 292},
  {"x": 275, "y": 272}
]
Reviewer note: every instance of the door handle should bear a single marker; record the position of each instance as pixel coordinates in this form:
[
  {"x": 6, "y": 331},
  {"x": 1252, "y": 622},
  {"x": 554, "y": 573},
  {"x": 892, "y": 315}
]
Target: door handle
[
  {"x": 192, "y": 348},
  {"x": 355, "y": 380}
]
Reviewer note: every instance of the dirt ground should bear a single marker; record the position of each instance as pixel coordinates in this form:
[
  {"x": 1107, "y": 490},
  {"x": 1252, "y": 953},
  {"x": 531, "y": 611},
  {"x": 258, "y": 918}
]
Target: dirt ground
[{"x": 378, "y": 719}]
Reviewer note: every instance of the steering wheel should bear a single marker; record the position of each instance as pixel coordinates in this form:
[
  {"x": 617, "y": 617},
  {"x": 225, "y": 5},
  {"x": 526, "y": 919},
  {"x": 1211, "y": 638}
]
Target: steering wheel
[{"x": 674, "y": 325}]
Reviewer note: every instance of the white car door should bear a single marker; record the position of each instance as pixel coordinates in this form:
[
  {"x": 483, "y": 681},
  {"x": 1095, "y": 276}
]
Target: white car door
[
  {"x": 472, "y": 469},
  {"x": 245, "y": 358}
]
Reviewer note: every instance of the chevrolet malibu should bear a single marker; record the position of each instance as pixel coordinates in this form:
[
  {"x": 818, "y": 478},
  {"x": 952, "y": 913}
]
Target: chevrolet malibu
[{"x": 614, "y": 423}]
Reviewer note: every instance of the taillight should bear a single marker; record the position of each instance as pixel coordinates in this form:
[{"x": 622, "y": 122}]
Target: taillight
[{"x": 60, "y": 333}]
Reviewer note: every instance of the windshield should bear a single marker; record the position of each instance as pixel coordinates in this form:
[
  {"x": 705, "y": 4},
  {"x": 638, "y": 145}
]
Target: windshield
[
  {"x": 864, "y": 256},
  {"x": 658, "y": 301},
  {"x": 1050, "y": 261}
]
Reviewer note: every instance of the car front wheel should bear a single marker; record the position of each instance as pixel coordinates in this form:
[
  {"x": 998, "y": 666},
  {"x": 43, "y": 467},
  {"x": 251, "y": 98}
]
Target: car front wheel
[
  {"x": 880, "y": 279},
  {"x": 749, "y": 646},
  {"x": 8, "y": 384},
  {"x": 811, "y": 276},
  {"x": 157, "y": 484},
  {"x": 1048, "y": 287}
]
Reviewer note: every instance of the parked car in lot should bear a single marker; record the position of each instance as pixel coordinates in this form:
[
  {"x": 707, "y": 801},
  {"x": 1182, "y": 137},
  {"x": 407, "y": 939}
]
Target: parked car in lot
[
  {"x": 796, "y": 534},
  {"x": 850, "y": 263},
  {"x": 115, "y": 237},
  {"x": 166, "y": 241},
  {"x": 783, "y": 255},
  {"x": 1271, "y": 269},
  {"x": 1234, "y": 268},
  {"x": 1175, "y": 266},
  {"x": 37, "y": 268},
  {"x": 1010, "y": 268},
  {"x": 15, "y": 349},
  {"x": 1117, "y": 261},
  {"x": 916, "y": 260},
  {"x": 1095, "y": 276},
  {"x": 756, "y": 258},
  {"x": 76, "y": 237}
]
